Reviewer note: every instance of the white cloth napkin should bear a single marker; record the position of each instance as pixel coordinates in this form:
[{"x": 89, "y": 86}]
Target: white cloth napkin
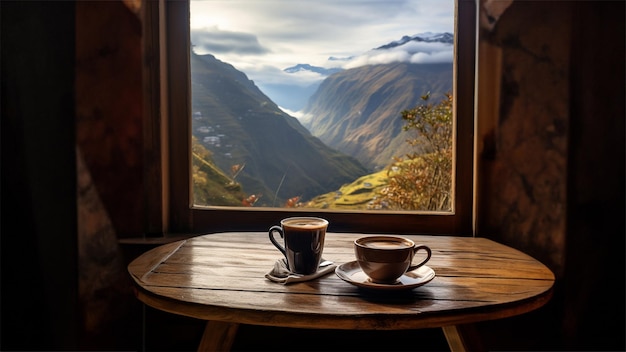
[{"x": 281, "y": 274}]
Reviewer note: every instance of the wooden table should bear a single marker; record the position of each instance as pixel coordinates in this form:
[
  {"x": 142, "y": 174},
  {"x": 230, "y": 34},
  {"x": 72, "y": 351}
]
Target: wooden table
[{"x": 220, "y": 278}]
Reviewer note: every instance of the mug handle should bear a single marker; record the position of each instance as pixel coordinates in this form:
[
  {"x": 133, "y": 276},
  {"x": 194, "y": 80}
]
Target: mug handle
[
  {"x": 276, "y": 244},
  {"x": 428, "y": 254}
]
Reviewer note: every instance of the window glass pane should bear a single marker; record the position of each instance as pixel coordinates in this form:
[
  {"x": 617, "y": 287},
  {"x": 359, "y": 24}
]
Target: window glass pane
[{"x": 323, "y": 104}]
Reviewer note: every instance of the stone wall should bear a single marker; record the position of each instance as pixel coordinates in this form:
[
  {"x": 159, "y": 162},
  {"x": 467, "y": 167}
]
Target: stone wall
[
  {"x": 551, "y": 164},
  {"x": 109, "y": 130},
  {"x": 109, "y": 107},
  {"x": 523, "y": 155}
]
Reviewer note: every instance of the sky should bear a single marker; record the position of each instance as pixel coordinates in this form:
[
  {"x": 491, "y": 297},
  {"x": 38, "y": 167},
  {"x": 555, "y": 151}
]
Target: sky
[{"x": 263, "y": 37}]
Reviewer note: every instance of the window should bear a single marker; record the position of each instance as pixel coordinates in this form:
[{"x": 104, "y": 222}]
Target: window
[{"x": 174, "y": 206}]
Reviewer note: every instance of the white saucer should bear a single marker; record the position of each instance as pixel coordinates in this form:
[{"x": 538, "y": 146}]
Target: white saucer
[{"x": 352, "y": 273}]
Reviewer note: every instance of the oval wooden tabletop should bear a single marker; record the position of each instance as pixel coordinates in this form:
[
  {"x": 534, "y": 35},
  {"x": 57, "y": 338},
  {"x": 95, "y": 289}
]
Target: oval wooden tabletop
[{"x": 221, "y": 277}]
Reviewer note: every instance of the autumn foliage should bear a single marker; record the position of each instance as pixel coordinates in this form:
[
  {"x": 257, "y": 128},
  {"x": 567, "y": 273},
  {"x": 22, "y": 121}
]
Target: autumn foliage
[{"x": 422, "y": 180}]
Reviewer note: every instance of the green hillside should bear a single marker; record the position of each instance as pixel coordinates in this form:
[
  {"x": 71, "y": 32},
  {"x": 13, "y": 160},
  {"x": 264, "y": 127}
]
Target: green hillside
[
  {"x": 351, "y": 196},
  {"x": 239, "y": 125},
  {"x": 212, "y": 185}
]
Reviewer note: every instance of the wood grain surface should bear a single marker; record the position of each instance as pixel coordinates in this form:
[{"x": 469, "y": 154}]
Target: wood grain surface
[{"x": 220, "y": 277}]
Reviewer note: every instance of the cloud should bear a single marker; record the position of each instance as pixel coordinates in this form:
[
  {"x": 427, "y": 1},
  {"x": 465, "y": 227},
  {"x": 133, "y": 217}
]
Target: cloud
[
  {"x": 297, "y": 114},
  {"x": 412, "y": 52},
  {"x": 261, "y": 38},
  {"x": 432, "y": 58},
  {"x": 378, "y": 58},
  {"x": 269, "y": 74},
  {"x": 215, "y": 41}
]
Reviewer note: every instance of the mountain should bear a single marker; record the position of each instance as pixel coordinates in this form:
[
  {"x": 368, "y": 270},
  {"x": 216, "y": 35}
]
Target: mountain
[
  {"x": 290, "y": 96},
  {"x": 358, "y": 111},
  {"x": 306, "y": 67},
  {"x": 445, "y": 38},
  {"x": 277, "y": 157},
  {"x": 295, "y": 96}
]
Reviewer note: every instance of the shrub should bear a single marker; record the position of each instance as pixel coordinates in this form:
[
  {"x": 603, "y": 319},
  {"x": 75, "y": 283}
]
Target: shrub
[{"x": 422, "y": 180}]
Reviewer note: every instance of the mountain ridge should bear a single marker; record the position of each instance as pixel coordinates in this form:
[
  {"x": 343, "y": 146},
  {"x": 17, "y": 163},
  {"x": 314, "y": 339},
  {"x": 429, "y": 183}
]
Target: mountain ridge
[
  {"x": 317, "y": 69},
  {"x": 242, "y": 127},
  {"x": 294, "y": 97},
  {"x": 446, "y": 38},
  {"x": 358, "y": 111}
]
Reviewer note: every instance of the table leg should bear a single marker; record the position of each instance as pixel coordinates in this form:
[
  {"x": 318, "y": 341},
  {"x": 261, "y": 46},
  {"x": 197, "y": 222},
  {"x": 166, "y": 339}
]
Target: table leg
[
  {"x": 463, "y": 338},
  {"x": 218, "y": 336}
]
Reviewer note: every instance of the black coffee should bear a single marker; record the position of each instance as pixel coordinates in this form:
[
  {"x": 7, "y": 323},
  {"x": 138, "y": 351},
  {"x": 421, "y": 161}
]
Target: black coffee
[
  {"x": 304, "y": 223},
  {"x": 304, "y": 243}
]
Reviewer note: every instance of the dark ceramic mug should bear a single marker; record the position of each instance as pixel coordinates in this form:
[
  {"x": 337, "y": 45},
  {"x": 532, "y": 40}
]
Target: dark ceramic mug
[{"x": 303, "y": 239}]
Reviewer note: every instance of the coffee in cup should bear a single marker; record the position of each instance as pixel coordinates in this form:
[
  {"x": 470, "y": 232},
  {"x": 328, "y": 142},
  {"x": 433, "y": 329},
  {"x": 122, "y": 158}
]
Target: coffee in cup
[
  {"x": 384, "y": 259},
  {"x": 303, "y": 239}
]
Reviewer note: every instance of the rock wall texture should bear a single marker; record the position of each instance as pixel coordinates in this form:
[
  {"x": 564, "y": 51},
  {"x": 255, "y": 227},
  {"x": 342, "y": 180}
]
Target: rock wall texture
[
  {"x": 523, "y": 161},
  {"x": 551, "y": 163}
]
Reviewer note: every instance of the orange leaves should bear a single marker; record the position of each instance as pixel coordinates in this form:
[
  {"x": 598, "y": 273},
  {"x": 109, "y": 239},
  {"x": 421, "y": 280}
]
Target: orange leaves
[
  {"x": 292, "y": 202},
  {"x": 236, "y": 169},
  {"x": 251, "y": 200}
]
